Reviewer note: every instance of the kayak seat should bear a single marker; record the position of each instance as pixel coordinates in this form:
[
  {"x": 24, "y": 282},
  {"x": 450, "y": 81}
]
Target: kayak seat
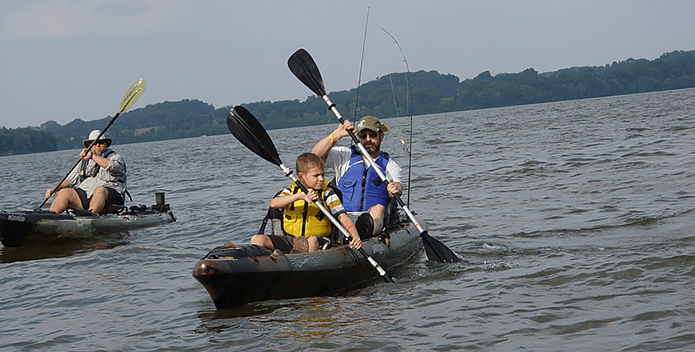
[
  {"x": 391, "y": 216},
  {"x": 275, "y": 217}
]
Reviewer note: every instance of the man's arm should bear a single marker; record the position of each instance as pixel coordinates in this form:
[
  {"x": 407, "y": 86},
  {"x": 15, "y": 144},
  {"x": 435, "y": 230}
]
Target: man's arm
[
  {"x": 394, "y": 188},
  {"x": 393, "y": 173},
  {"x": 324, "y": 146},
  {"x": 100, "y": 160},
  {"x": 62, "y": 185}
]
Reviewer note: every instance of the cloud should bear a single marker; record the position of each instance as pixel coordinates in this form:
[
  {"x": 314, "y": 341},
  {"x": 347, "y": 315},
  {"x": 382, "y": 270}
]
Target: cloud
[
  {"x": 48, "y": 19},
  {"x": 68, "y": 18},
  {"x": 122, "y": 8}
]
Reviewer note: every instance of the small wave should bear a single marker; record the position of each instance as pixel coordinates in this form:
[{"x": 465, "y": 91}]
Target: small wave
[
  {"x": 489, "y": 266},
  {"x": 491, "y": 247},
  {"x": 630, "y": 220}
]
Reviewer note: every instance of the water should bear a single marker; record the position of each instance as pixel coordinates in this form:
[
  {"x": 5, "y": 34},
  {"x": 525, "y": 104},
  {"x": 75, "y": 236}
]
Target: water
[{"x": 576, "y": 220}]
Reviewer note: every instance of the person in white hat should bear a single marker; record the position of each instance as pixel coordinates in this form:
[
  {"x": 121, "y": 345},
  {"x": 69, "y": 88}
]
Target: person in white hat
[
  {"x": 360, "y": 186},
  {"x": 99, "y": 180}
]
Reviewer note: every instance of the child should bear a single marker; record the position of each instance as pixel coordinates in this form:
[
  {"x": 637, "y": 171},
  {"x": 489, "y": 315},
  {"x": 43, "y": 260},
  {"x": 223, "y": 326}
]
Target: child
[{"x": 302, "y": 221}]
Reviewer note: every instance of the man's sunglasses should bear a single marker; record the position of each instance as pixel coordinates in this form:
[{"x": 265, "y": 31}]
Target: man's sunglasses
[{"x": 364, "y": 135}]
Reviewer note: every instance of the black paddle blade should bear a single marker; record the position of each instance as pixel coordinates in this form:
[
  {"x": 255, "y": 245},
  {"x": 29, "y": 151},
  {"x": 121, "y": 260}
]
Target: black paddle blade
[
  {"x": 304, "y": 68},
  {"x": 245, "y": 128},
  {"x": 437, "y": 251}
]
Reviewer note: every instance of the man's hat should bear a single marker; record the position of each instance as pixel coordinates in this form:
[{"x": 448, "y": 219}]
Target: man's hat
[
  {"x": 92, "y": 136},
  {"x": 371, "y": 123}
]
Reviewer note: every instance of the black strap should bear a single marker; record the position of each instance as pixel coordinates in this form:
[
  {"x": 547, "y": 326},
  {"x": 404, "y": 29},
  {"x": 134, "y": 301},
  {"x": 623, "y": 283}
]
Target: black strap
[{"x": 271, "y": 214}]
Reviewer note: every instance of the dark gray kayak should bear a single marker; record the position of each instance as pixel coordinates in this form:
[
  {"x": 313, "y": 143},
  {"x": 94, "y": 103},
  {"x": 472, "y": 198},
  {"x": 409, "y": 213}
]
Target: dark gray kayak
[
  {"x": 22, "y": 228},
  {"x": 236, "y": 276}
]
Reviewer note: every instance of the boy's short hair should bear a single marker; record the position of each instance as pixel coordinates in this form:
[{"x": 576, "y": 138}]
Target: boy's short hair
[{"x": 308, "y": 160}]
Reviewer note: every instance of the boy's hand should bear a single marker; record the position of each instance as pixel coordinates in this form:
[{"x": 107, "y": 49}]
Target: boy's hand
[{"x": 311, "y": 196}]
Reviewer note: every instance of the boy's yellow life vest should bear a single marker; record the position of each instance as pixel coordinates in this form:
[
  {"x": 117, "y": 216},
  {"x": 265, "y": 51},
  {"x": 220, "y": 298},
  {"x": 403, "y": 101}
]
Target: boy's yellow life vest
[{"x": 302, "y": 218}]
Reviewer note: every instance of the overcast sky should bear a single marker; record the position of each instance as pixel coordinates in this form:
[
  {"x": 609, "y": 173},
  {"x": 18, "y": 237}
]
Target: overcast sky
[{"x": 67, "y": 59}]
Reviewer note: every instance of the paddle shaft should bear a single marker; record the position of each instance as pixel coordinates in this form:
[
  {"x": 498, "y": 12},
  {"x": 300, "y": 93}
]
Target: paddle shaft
[
  {"x": 304, "y": 68},
  {"x": 337, "y": 224},
  {"x": 77, "y": 163},
  {"x": 373, "y": 164},
  {"x": 130, "y": 97},
  {"x": 246, "y": 128},
  {"x": 436, "y": 248}
]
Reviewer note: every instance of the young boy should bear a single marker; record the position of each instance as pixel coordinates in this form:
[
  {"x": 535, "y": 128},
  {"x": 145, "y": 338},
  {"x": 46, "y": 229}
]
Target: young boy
[{"x": 303, "y": 222}]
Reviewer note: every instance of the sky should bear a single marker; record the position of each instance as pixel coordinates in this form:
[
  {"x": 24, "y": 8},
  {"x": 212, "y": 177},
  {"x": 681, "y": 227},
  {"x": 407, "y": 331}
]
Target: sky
[{"x": 67, "y": 59}]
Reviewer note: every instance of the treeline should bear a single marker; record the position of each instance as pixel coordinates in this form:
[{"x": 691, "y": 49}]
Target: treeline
[
  {"x": 673, "y": 70},
  {"x": 387, "y": 96},
  {"x": 435, "y": 93},
  {"x": 161, "y": 121},
  {"x": 25, "y": 140}
]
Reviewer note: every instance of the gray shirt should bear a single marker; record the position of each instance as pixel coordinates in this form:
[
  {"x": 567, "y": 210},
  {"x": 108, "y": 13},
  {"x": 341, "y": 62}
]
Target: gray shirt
[{"x": 112, "y": 176}]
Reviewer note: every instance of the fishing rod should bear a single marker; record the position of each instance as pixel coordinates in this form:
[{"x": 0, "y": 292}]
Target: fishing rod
[
  {"x": 247, "y": 130},
  {"x": 359, "y": 79},
  {"x": 304, "y": 68},
  {"x": 408, "y": 110}
]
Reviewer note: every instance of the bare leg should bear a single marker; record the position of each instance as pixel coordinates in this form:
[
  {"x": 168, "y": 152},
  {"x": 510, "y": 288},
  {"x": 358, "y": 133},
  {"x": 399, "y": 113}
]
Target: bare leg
[
  {"x": 98, "y": 201},
  {"x": 263, "y": 241},
  {"x": 313, "y": 243},
  {"x": 66, "y": 198},
  {"x": 377, "y": 212}
]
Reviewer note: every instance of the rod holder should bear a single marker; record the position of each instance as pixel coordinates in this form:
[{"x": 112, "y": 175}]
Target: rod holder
[{"x": 159, "y": 198}]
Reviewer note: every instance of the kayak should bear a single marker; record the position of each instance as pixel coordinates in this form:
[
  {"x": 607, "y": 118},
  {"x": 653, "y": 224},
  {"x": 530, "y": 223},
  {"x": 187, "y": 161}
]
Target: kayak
[
  {"x": 236, "y": 276},
  {"x": 21, "y": 228}
]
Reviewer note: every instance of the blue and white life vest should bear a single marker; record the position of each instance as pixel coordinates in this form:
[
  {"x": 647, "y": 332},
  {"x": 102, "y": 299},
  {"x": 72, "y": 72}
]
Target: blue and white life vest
[{"x": 361, "y": 186}]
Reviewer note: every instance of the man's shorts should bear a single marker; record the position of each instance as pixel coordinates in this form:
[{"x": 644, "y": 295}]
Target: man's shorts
[
  {"x": 286, "y": 243},
  {"x": 113, "y": 197}
]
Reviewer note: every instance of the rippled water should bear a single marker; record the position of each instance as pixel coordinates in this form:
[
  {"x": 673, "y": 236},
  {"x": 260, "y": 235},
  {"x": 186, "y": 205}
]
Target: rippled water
[{"x": 575, "y": 218}]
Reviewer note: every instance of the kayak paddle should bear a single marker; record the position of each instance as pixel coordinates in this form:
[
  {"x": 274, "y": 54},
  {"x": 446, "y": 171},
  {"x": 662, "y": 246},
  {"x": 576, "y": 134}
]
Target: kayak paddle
[
  {"x": 246, "y": 128},
  {"x": 304, "y": 68},
  {"x": 131, "y": 96}
]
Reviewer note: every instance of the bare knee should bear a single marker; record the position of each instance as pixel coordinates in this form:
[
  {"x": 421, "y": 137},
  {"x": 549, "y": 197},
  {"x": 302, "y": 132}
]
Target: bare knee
[
  {"x": 263, "y": 241},
  {"x": 101, "y": 191},
  {"x": 65, "y": 198},
  {"x": 98, "y": 201},
  {"x": 313, "y": 243},
  {"x": 258, "y": 239},
  {"x": 66, "y": 193},
  {"x": 377, "y": 211}
]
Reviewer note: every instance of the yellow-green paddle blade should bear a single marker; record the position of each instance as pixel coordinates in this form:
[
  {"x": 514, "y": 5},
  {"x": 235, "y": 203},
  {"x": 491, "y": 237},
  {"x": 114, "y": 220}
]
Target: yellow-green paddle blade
[{"x": 132, "y": 95}]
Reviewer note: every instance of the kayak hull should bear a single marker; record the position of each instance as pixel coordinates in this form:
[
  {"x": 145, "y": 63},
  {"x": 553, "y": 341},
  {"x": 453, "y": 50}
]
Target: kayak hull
[
  {"x": 234, "y": 277},
  {"x": 28, "y": 227}
]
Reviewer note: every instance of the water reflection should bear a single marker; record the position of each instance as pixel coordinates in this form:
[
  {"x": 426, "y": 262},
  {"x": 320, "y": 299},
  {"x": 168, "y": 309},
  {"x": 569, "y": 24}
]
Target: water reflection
[
  {"x": 62, "y": 247},
  {"x": 247, "y": 310}
]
